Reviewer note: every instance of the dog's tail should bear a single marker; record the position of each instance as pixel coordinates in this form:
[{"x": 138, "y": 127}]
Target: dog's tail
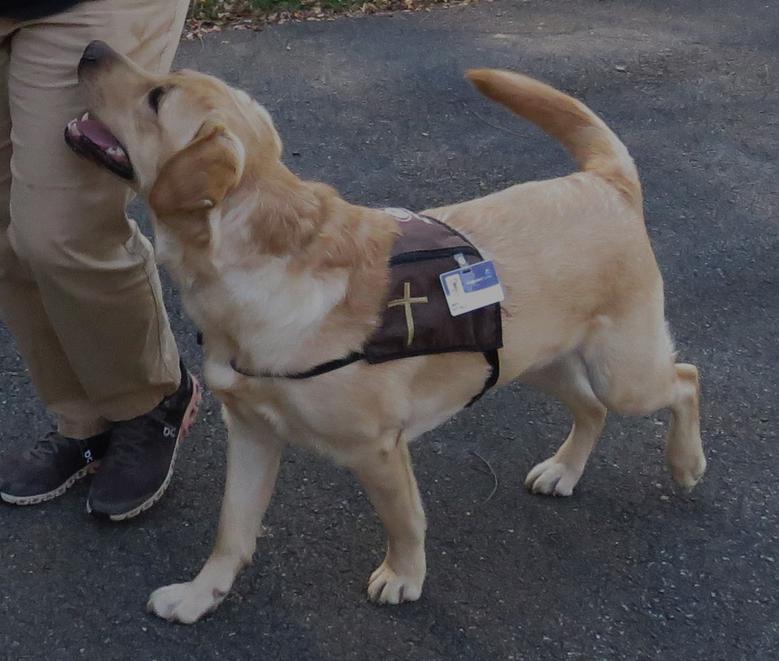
[{"x": 593, "y": 145}]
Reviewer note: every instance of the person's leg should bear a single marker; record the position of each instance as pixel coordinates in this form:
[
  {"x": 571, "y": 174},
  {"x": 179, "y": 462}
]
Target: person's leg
[
  {"x": 94, "y": 269},
  {"x": 21, "y": 308},
  {"x": 48, "y": 466},
  {"x": 78, "y": 283}
]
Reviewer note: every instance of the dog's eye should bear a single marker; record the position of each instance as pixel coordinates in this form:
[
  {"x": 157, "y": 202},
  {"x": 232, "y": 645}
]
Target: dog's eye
[{"x": 155, "y": 96}]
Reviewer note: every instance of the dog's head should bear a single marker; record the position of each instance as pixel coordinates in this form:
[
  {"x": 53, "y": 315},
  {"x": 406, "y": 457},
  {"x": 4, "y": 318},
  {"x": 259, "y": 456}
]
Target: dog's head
[{"x": 184, "y": 140}]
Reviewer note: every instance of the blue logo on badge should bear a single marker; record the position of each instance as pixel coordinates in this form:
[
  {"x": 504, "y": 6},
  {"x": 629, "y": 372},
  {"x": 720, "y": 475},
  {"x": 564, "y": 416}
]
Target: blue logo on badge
[{"x": 479, "y": 276}]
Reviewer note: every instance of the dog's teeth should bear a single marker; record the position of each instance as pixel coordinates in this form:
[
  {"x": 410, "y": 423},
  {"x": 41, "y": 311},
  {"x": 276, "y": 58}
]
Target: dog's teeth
[
  {"x": 116, "y": 152},
  {"x": 85, "y": 116},
  {"x": 73, "y": 128}
]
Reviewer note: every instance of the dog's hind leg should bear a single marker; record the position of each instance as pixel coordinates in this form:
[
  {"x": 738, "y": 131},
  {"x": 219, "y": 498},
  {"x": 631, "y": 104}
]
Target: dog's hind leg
[
  {"x": 684, "y": 448},
  {"x": 630, "y": 362},
  {"x": 567, "y": 380},
  {"x": 388, "y": 478},
  {"x": 253, "y": 455}
]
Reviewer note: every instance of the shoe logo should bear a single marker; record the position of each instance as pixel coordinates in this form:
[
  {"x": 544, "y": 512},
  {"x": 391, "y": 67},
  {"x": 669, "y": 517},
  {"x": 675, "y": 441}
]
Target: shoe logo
[
  {"x": 88, "y": 456},
  {"x": 169, "y": 432}
]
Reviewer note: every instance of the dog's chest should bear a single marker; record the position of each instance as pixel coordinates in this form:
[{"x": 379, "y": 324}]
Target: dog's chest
[
  {"x": 278, "y": 312},
  {"x": 268, "y": 312}
]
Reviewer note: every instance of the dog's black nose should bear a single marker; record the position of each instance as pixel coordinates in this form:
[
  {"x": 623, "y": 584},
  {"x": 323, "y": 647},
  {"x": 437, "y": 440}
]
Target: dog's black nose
[{"x": 95, "y": 54}]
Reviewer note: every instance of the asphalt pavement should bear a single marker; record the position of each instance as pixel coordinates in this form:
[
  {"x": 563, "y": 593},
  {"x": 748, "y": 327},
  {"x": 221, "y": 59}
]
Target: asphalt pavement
[{"x": 627, "y": 568}]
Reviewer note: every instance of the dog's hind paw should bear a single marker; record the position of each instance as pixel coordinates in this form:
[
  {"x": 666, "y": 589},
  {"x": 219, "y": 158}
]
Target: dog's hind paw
[
  {"x": 552, "y": 478},
  {"x": 387, "y": 587},
  {"x": 183, "y": 602},
  {"x": 687, "y": 470}
]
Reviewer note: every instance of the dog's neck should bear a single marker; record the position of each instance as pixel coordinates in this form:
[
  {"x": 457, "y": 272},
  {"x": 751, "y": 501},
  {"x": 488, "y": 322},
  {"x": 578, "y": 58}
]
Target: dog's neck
[{"x": 286, "y": 276}]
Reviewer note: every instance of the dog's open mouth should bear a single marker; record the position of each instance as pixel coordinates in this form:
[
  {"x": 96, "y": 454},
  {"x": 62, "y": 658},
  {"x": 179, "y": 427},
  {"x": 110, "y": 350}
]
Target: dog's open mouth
[{"x": 92, "y": 139}]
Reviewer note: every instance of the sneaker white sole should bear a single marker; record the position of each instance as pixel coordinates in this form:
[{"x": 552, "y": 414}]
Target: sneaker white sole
[
  {"x": 54, "y": 493},
  {"x": 188, "y": 420}
]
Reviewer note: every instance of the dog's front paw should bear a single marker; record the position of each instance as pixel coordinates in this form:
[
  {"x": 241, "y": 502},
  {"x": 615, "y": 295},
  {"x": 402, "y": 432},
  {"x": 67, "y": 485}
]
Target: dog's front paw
[
  {"x": 552, "y": 478},
  {"x": 385, "y": 586},
  {"x": 183, "y": 602}
]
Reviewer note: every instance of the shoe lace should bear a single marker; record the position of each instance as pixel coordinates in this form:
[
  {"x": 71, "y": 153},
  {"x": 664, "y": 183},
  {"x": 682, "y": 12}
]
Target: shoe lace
[
  {"x": 130, "y": 438},
  {"x": 49, "y": 445}
]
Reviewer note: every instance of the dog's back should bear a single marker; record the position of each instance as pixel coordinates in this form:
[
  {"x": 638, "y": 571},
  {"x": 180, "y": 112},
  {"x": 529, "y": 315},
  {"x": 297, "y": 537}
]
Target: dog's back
[{"x": 567, "y": 249}]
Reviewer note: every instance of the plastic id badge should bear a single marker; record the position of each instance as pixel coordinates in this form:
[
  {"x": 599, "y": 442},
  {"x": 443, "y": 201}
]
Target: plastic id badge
[{"x": 471, "y": 287}]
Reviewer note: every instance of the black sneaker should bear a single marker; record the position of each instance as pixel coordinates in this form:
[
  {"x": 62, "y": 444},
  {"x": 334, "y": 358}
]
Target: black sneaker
[
  {"x": 137, "y": 467},
  {"x": 49, "y": 468}
]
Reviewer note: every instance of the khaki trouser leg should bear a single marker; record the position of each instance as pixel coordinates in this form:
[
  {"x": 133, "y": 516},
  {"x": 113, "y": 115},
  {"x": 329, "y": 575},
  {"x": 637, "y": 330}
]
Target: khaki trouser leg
[
  {"x": 51, "y": 372},
  {"x": 78, "y": 285}
]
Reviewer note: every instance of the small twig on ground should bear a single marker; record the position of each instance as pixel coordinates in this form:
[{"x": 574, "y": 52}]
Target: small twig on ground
[
  {"x": 494, "y": 477},
  {"x": 493, "y": 125}
]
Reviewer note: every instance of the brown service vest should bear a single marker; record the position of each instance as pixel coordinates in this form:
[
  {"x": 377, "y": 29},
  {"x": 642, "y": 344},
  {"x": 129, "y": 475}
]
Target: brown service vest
[{"x": 416, "y": 319}]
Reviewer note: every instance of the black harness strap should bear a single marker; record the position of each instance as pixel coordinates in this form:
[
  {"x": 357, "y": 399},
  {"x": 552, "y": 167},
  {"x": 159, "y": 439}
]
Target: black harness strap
[
  {"x": 494, "y": 361},
  {"x": 322, "y": 368},
  {"x": 331, "y": 365}
]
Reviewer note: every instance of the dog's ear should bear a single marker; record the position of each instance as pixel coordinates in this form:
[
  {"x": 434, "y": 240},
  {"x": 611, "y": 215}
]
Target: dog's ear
[{"x": 201, "y": 175}]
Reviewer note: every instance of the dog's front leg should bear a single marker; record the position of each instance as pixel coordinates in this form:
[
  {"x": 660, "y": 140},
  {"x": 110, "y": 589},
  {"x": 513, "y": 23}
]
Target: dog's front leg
[
  {"x": 387, "y": 476},
  {"x": 253, "y": 455}
]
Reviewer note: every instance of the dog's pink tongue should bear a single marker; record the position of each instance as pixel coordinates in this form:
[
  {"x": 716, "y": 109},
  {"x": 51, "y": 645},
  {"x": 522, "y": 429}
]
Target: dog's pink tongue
[{"x": 98, "y": 133}]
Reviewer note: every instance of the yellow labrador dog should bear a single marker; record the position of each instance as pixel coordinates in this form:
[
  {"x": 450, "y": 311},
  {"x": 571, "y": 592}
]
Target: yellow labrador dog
[{"x": 282, "y": 274}]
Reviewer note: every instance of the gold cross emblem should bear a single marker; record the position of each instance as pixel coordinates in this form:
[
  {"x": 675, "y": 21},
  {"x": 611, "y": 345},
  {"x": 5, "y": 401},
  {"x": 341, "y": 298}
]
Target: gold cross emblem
[{"x": 407, "y": 302}]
